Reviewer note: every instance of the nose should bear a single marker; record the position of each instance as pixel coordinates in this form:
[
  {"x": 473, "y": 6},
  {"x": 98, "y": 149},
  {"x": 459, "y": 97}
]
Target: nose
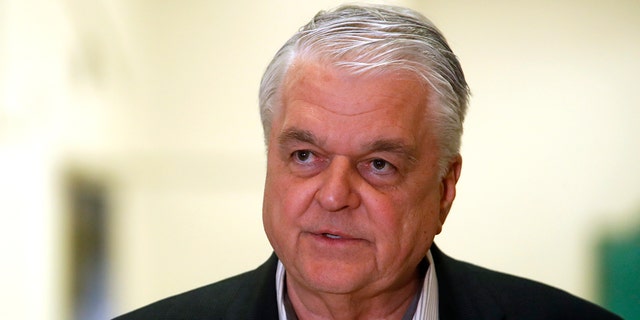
[{"x": 337, "y": 190}]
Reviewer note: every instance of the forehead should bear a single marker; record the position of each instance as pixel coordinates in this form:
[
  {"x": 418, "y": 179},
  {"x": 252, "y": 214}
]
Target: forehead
[{"x": 350, "y": 92}]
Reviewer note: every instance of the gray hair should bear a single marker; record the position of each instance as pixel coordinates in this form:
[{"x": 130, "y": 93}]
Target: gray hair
[{"x": 377, "y": 38}]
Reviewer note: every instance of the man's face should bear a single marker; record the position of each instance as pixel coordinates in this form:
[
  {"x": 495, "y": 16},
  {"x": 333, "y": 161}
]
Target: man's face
[{"x": 353, "y": 196}]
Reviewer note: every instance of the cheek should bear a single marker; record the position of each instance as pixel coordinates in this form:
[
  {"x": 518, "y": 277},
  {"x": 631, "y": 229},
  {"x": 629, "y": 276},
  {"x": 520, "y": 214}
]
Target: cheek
[
  {"x": 285, "y": 197},
  {"x": 412, "y": 217},
  {"x": 276, "y": 221},
  {"x": 272, "y": 206}
]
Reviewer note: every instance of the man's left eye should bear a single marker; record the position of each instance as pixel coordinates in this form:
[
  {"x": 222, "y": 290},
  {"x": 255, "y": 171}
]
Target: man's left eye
[
  {"x": 379, "y": 164},
  {"x": 382, "y": 166}
]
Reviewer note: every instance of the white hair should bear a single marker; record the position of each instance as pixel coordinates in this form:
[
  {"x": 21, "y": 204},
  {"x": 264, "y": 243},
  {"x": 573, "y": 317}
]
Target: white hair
[{"x": 375, "y": 38}]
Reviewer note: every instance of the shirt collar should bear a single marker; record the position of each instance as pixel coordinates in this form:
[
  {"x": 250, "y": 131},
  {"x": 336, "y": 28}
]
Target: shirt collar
[{"x": 426, "y": 308}]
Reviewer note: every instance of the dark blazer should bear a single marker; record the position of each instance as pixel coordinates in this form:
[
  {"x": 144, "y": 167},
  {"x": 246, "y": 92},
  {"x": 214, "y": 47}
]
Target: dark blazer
[{"x": 465, "y": 292}]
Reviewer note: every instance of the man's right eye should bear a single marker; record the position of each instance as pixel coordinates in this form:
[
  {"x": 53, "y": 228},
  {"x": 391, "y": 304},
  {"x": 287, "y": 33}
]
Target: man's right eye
[{"x": 302, "y": 155}]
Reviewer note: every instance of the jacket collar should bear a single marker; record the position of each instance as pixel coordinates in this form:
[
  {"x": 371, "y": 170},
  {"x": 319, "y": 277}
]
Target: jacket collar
[{"x": 461, "y": 295}]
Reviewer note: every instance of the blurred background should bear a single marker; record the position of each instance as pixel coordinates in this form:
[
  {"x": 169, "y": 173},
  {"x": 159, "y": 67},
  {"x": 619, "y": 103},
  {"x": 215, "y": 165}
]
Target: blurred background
[{"x": 132, "y": 162}]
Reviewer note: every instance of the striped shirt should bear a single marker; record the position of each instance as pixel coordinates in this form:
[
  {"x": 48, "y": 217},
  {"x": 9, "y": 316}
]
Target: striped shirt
[{"x": 425, "y": 307}]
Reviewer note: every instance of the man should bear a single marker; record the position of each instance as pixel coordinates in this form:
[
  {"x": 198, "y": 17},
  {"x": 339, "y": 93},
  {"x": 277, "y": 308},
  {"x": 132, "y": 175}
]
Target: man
[{"x": 362, "y": 112}]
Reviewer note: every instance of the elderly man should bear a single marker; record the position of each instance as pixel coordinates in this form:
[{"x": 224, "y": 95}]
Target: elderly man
[{"x": 362, "y": 112}]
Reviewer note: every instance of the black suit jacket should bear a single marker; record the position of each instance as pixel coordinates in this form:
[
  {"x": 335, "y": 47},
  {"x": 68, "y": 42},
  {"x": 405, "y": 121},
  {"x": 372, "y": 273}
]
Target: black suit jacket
[{"x": 465, "y": 292}]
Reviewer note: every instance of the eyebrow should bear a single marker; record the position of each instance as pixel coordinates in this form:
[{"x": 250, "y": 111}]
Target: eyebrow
[
  {"x": 297, "y": 135},
  {"x": 393, "y": 146}
]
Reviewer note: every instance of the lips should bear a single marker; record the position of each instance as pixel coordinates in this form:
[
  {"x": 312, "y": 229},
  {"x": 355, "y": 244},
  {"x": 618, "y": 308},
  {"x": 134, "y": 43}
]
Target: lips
[
  {"x": 335, "y": 242},
  {"x": 334, "y": 235}
]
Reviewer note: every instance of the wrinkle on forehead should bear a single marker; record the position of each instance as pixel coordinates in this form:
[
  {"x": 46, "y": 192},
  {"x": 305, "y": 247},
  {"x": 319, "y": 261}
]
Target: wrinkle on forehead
[{"x": 313, "y": 75}]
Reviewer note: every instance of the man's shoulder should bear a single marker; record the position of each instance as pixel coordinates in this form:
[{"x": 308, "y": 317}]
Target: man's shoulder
[
  {"x": 209, "y": 299},
  {"x": 470, "y": 289},
  {"x": 238, "y": 297}
]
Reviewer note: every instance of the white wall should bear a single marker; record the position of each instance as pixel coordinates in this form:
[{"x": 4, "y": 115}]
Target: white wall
[
  {"x": 32, "y": 86},
  {"x": 552, "y": 146},
  {"x": 159, "y": 99}
]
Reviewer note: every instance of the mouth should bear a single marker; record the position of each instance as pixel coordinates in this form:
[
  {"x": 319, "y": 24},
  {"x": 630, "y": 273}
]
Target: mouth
[
  {"x": 335, "y": 240},
  {"x": 331, "y": 236}
]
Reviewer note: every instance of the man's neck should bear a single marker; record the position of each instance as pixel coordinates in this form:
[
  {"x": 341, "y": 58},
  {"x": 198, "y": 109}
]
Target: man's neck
[{"x": 310, "y": 304}]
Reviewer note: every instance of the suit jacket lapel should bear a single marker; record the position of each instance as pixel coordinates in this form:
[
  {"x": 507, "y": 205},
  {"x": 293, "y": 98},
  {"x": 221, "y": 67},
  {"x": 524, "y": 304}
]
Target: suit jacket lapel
[
  {"x": 460, "y": 295},
  {"x": 256, "y": 298}
]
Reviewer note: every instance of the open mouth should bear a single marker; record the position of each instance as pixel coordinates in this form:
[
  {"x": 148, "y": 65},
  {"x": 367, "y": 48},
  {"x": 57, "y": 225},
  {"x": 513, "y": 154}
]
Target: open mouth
[{"x": 331, "y": 236}]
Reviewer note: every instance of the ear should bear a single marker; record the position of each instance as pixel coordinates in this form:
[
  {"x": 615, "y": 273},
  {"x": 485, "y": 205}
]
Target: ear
[{"x": 448, "y": 188}]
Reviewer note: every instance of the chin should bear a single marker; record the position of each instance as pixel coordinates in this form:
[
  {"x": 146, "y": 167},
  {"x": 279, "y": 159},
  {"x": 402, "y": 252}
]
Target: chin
[{"x": 335, "y": 278}]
